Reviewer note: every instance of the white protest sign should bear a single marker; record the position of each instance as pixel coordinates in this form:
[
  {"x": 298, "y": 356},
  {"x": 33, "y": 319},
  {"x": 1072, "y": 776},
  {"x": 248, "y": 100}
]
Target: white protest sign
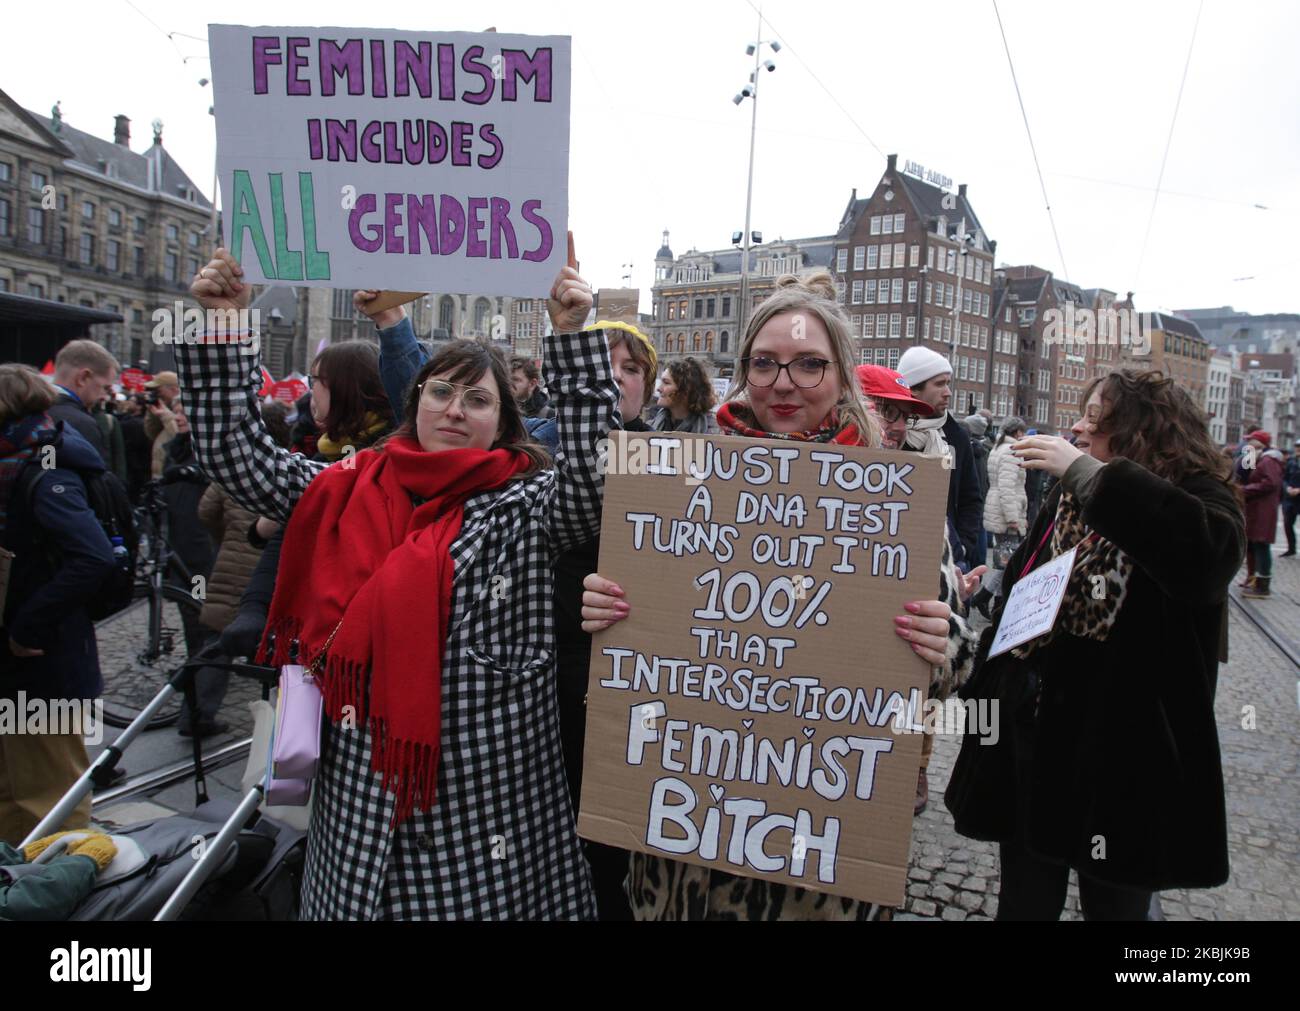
[
  {"x": 1031, "y": 609},
  {"x": 366, "y": 158}
]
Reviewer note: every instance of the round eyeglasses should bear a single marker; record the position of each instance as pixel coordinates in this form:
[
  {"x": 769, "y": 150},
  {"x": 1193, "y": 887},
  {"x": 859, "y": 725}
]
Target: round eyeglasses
[
  {"x": 805, "y": 371},
  {"x": 891, "y": 414},
  {"x": 436, "y": 396}
]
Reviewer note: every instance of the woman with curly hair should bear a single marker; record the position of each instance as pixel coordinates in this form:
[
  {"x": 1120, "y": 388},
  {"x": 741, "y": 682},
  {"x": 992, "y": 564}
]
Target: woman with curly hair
[
  {"x": 1108, "y": 758},
  {"x": 685, "y": 399}
]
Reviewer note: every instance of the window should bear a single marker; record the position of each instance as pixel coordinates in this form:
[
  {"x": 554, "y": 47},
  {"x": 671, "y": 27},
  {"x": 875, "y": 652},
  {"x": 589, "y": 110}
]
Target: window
[
  {"x": 871, "y": 293},
  {"x": 710, "y": 307},
  {"x": 173, "y": 268},
  {"x": 949, "y": 295},
  {"x": 139, "y": 261},
  {"x": 708, "y": 341},
  {"x": 896, "y": 290},
  {"x": 896, "y": 324},
  {"x": 970, "y": 266},
  {"x": 929, "y": 257},
  {"x": 966, "y": 300},
  {"x": 885, "y": 261},
  {"x": 173, "y": 233},
  {"x": 114, "y": 260},
  {"x": 882, "y": 292},
  {"x": 138, "y": 225},
  {"x": 868, "y": 326},
  {"x": 87, "y": 210},
  {"x": 882, "y": 324},
  {"x": 699, "y": 308},
  {"x": 952, "y": 262},
  {"x": 887, "y": 225},
  {"x": 35, "y": 225},
  {"x": 873, "y": 257},
  {"x": 892, "y": 361},
  {"x": 900, "y": 253},
  {"x": 925, "y": 328},
  {"x": 859, "y": 257},
  {"x": 911, "y": 328},
  {"x": 841, "y": 261},
  {"x": 36, "y": 290},
  {"x": 898, "y": 223},
  {"x": 726, "y": 308},
  {"x": 875, "y": 225},
  {"x": 965, "y": 335},
  {"x": 983, "y": 369},
  {"x": 961, "y": 367},
  {"x": 857, "y": 325},
  {"x": 194, "y": 240},
  {"x": 695, "y": 342},
  {"x": 192, "y": 268},
  {"x": 722, "y": 342},
  {"x": 38, "y": 180},
  {"x": 929, "y": 291},
  {"x": 6, "y": 214},
  {"x": 6, "y": 172},
  {"x": 672, "y": 310},
  {"x": 857, "y": 292},
  {"x": 911, "y": 291},
  {"x": 681, "y": 311},
  {"x": 914, "y": 256}
]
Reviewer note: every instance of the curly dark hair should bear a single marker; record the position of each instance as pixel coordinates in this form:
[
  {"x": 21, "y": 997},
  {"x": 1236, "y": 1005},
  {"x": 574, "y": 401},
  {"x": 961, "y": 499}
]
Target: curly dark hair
[
  {"x": 694, "y": 391},
  {"x": 466, "y": 362},
  {"x": 1154, "y": 422}
]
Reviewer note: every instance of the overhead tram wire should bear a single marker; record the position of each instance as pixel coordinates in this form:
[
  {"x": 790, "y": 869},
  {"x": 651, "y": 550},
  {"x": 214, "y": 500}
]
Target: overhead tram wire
[
  {"x": 1168, "y": 144},
  {"x": 811, "y": 73},
  {"x": 1032, "y": 149}
]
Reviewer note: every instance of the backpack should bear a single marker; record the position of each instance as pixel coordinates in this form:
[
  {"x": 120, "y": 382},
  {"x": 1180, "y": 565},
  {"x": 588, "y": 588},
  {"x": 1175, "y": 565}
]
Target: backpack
[{"x": 111, "y": 504}]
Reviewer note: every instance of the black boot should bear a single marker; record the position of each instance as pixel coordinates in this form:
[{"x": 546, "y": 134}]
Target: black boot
[{"x": 1259, "y": 590}]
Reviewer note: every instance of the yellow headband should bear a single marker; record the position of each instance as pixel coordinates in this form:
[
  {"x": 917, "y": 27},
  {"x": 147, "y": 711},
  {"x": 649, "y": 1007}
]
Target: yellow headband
[{"x": 629, "y": 328}]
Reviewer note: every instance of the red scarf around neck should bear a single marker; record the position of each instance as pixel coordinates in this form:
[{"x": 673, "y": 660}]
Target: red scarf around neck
[
  {"x": 737, "y": 418},
  {"x": 359, "y": 551}
]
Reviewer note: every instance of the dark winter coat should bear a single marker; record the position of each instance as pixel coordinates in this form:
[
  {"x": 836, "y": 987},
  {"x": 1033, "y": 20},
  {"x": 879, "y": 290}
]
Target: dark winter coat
[
  {"x": 538, "y": 405},
  {"x": 965, "y": 503},
  {"x": 1291, "y": 479},
  {"x": 185, "y": 487},
  {"x": 48, "y": 593},
  {"x": 1125, "y": 748},
  {"x": 139, "y": 454},
  {"x": 74, "y": 414},
  {"x": 1262, "y": 486}
]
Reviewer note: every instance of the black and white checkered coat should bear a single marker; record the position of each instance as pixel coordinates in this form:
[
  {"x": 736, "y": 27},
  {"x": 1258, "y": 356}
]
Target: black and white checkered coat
[{"x": 500, "y": 841}]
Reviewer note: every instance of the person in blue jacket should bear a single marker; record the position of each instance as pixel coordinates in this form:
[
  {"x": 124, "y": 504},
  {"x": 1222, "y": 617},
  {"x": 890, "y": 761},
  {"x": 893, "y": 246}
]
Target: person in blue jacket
[{"x": 47, "y": 644}]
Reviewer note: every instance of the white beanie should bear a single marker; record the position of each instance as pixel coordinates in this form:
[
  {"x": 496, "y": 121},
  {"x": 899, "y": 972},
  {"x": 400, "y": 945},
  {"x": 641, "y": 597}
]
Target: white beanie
[{"x": 920, "y": 364}]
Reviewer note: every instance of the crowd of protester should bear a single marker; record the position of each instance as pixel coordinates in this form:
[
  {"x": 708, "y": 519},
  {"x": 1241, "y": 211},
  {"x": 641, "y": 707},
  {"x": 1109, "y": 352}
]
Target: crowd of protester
[{"x": 364, "y": 526}]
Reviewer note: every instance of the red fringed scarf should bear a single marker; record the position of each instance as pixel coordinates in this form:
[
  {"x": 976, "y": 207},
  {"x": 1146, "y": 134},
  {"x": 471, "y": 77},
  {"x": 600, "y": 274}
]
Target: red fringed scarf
[
  {"x": 359, "y": 551},
  {"x": 737, "y": 418}
]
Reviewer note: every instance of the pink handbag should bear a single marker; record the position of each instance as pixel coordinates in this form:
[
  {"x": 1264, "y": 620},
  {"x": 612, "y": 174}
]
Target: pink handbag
[{"x": 295, "y": 742}]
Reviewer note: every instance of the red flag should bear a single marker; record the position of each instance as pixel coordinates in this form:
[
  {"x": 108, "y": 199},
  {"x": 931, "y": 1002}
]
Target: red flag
[{"x": 48, "y": 370}]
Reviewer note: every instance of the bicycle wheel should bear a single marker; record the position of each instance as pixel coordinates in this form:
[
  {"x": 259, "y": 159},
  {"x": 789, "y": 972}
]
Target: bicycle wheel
[{"x": 134, "y": 664}]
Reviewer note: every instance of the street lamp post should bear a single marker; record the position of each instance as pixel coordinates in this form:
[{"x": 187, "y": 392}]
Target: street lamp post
[
  {"x": 754, "y": 49},
  {"x": 962, "y": 237}
]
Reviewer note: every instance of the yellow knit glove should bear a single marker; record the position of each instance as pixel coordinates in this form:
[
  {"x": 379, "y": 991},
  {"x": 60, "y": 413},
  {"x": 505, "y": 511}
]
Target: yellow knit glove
[
  {"x": 100, "y": 848},
  {"x": 34, "y": 849}
]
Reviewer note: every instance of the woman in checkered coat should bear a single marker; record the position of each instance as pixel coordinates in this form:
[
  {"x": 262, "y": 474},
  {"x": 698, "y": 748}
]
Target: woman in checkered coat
[{"x": 441, "y": 791}]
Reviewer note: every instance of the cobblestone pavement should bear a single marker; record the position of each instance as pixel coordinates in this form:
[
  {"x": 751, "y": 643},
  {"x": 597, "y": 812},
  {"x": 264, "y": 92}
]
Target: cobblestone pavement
[
  {"x": 128, "y": 686},
  {"x": 954, "y": 878}
]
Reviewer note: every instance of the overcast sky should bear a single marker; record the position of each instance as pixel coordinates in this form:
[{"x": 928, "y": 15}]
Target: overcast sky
[{"x": 657, "y": 142}]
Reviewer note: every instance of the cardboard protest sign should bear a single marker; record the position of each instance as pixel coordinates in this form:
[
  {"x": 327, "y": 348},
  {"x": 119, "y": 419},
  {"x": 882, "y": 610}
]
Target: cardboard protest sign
[
  {"x": 757, "y": 713},
  {"x": 367, "y": 158}
]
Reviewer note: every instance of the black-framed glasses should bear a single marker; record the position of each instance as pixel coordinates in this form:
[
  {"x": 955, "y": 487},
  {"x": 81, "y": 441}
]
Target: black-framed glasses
[
  {"x": 891, "y": 414},
  {"x": 437, "y": 395},
  {"x": 806, "y": 371}
]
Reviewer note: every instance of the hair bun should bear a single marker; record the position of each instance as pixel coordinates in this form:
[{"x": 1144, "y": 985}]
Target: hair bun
[{"x": 819, "y": 282}]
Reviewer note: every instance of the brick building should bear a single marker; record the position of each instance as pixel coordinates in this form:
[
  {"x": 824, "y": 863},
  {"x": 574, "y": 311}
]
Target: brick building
[{"x": 917, "y": 268}]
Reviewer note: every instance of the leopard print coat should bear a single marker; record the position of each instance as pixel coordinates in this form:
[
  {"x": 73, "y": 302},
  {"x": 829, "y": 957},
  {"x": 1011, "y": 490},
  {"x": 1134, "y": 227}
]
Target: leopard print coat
[{"x": 662, "y": 889}]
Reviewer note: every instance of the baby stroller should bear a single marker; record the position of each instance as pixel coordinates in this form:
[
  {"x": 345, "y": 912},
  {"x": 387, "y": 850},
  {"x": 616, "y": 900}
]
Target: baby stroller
[{"x": 225, "y": 861}]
